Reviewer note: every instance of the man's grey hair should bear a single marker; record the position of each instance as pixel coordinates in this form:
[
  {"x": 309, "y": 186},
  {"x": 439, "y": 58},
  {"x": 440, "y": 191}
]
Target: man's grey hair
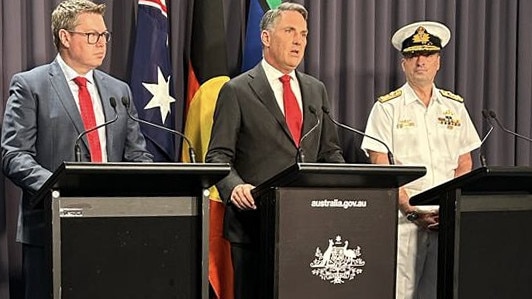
[
  {"x": 271, "y": 16},
  {"x": 65, "y": 15}
]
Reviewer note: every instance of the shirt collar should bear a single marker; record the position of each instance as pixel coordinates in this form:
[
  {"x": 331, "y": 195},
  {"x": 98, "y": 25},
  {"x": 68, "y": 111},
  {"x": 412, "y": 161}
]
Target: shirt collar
[
  {"x": 274, "y": 74},
  {"x": 410, "y": 94},
  {"x": 70, "y": 73}
]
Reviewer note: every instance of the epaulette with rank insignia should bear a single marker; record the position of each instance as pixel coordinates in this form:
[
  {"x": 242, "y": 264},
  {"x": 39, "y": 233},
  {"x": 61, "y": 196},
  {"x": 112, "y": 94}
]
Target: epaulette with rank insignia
[
  {"x": 392, "y": 95},
  {"x": 451, "y": 96}
]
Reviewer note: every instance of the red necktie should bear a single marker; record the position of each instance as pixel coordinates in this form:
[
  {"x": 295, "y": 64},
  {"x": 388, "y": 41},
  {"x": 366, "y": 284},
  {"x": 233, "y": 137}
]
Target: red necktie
[
  {"x": 89, "y": 120},
  {"x": 292, "y": 113}
]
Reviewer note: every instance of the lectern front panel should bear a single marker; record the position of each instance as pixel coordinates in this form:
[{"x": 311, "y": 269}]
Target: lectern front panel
[
  {"x": 493, "y": 245},
  {"x": 335, "y": 243},
  {"x": 127, "y": 247}
]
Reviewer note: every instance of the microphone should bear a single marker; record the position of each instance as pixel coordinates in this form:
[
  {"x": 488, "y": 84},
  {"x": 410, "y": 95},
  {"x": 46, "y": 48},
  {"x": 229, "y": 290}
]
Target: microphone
[
  {"x": 300, "y": 154},
  {"x": 482, "y": 157},
  {"x": 191, "y": 153},
  {"x": 77, "y": 148},
  {"x": 391, "y": 159},
  {"x": 493, "y": 115}
]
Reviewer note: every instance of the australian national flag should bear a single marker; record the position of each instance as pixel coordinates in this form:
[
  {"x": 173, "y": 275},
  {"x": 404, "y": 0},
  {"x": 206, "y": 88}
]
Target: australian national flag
[{"x": 151, "y": 77}]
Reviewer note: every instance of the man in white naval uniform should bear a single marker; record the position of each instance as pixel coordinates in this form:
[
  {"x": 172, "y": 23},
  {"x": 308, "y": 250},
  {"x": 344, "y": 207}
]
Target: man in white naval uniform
[{"x": 422, "y": 125}]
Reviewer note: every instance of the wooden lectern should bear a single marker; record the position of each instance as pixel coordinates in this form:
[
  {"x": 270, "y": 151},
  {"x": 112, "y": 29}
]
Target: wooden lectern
[
  {"x": 128, "y": 230},
  {"x": 330, "y": 230},
  {"x": 485, "y": 234}
]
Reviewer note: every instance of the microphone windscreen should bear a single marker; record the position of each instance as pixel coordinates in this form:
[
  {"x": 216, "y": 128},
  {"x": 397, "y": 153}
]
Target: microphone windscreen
[
  {"x": 112, "y": 100},
  {"x": 125, "y": 102}
]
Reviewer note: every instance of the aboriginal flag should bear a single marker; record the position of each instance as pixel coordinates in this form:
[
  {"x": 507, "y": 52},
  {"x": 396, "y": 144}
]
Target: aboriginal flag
[{"x": 207, "y": 73}]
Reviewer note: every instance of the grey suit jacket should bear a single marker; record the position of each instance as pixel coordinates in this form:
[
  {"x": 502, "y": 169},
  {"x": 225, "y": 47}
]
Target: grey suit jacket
[
  {"x": 41, "y": 124},
  {"x": 250, "y": 133}
]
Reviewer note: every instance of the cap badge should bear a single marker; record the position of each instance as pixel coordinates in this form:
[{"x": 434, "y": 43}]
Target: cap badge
[{"x": 421, "y": 36}]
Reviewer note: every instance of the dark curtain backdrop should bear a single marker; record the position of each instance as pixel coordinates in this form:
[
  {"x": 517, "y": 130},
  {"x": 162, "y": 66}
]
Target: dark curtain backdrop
[{"x": 488, "y": 61}]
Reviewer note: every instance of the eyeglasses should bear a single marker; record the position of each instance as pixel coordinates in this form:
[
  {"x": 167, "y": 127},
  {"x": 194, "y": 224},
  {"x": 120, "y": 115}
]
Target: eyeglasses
[{"x": 94, "y": 37}]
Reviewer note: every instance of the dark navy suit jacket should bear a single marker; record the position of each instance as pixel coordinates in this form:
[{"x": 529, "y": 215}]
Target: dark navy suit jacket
[{"x": 250, "y": 133}]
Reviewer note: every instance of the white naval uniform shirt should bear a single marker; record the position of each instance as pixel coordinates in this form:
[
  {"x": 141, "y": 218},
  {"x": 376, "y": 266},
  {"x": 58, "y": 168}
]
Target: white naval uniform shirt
[{"x": 433, "y": 136}]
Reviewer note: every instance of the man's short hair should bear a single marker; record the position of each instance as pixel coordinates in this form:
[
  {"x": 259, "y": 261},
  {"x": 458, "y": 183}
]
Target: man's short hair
[
  {"x": 65, "y": 15},
  {"x": 271, "y": 16}
]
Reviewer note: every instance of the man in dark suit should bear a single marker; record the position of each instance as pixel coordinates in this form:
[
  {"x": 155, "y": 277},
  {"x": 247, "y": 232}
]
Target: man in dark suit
[
  {"x": 258, "y": 124},
  {"x": 44, "y": 115}
]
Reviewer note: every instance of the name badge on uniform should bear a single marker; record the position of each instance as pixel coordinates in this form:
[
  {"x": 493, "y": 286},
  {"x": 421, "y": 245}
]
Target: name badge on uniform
[{"x": 405, "y": 123}]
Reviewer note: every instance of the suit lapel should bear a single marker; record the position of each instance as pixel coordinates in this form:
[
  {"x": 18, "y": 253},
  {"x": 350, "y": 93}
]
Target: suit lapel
[
  {"x": 64, "y": 95},
  {"x": 108, "y": 111},
  {"x": 260, "y": 85},
  {"x": 309, "y": 119}
]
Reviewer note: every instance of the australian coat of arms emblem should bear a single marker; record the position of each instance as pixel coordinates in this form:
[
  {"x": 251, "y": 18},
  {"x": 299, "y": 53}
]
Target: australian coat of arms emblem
[{"x": 338, "y": 262}]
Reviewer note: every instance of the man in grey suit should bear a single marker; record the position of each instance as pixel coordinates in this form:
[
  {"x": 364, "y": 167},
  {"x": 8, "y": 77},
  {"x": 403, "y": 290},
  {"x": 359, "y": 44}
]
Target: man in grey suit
[
  {"x": 254, "y": 130},
  {"x": 42, "y": 121}
]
